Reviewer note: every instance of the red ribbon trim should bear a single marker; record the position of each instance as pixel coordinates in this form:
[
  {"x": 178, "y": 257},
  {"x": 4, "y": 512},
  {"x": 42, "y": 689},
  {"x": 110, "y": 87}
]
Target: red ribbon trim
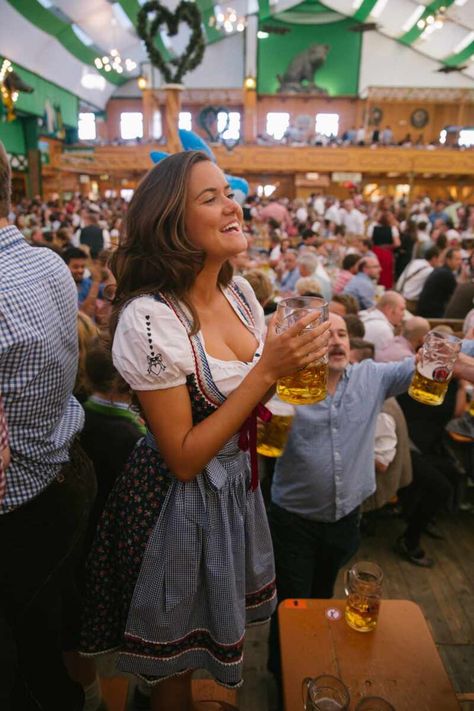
[{"x": 248, "y": 439}]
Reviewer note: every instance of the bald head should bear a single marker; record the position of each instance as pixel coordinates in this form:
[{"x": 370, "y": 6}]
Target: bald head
[
  {"x": 392, "y": 305},
  {"x": 415, "y": 330}
]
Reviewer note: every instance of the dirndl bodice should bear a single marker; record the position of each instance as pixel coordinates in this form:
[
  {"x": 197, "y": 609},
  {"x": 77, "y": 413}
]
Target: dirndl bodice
[{"x": 178, "y": 569}]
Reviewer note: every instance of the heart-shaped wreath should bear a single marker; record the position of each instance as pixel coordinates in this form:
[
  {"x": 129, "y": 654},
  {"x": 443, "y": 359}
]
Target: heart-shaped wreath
[
  {"x": 207, "y": 120},
  {"x": 148, "y": 27}
]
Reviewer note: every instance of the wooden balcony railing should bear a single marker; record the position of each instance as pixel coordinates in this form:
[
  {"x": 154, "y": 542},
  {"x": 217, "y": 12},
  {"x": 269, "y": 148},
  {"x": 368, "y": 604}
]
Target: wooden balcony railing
[{"x": 438, "y": 162}]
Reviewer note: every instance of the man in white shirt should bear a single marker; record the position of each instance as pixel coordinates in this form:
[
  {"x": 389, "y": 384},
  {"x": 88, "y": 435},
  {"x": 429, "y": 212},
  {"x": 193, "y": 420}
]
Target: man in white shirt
[
  {"x": 352, "y": 219},
  {"x": 413, "y": 277},
  {"x": 380, "y": 321},
  {"x": 333, "y": 212}
]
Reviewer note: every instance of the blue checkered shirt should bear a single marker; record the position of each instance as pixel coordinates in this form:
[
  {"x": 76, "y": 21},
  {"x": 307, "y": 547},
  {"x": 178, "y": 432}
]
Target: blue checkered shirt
[{"x": 38, "y": 363}]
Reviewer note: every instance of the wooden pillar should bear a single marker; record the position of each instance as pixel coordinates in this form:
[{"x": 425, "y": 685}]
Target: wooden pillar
[
  {"x": 173, "y": 93},
  {"x": 148, "y": 107},
  {"x": 250, "y": 115}
]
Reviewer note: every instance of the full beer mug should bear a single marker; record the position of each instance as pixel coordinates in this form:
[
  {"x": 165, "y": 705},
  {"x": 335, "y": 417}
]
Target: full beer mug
[
  {"x": 435, "y": 367},
  {"x": 308, "y": 385},
  {"x": 272, "y": 436},
  {"x": 325, "y": 693},
  {"x": 363, "y": 583}
]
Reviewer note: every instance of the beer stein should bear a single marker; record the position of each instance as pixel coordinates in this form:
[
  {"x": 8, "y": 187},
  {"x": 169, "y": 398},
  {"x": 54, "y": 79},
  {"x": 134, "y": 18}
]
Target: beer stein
[
  {"x": 363, "y": 585},
  {"x": 308, "y": 385},
  {"x": 434, "y": 369},
  {"x": 325, "y": 693},
  {"x": 272, "y": 436}
]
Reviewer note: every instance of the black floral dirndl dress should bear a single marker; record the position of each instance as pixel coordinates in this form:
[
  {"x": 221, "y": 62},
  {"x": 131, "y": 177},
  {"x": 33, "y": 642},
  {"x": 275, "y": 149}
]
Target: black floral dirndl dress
[{"x": 178, "y": 570}]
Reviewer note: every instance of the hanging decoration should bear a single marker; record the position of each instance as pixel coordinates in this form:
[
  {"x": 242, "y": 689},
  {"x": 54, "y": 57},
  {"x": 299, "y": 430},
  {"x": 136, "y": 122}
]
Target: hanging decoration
[
  {"x": 152, "y": 17},
  {"x": 10, "y": 87},
  {"x": 208, "y": 121}
]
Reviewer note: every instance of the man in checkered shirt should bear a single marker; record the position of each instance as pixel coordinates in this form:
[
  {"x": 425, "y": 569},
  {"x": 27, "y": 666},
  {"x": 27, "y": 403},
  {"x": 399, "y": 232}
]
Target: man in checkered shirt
[{"x": 51, "y": 482}]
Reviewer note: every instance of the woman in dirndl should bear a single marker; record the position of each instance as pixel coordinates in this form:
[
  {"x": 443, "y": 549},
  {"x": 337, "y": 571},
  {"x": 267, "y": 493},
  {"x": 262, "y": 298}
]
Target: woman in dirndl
[{"x": 182, "y": 559}]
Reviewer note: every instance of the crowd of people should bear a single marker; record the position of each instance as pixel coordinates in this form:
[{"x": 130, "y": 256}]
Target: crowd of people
[{"x": 137, "y": 347}]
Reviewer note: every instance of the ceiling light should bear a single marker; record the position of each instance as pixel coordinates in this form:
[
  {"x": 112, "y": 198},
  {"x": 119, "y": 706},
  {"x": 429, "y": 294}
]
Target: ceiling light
[
  {"x": 250, "y": 83},
  {"x": 414, "y": 17},
  {"x": 227, "y": 19},
  {"x": 141, "y": 81},
  {"x": 262, "y": 35}
]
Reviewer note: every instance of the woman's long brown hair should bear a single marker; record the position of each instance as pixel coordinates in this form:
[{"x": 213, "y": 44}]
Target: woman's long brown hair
[{"x": 155, "y": 254}]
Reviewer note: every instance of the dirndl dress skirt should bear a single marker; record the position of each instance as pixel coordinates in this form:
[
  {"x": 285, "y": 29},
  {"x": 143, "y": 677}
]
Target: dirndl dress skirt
[{"x": 178, "y": 569}]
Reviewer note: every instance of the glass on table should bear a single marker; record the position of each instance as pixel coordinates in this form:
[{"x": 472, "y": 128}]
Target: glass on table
[
  {"x": 363, "y": 587},
  {"x": 325, "y": 693},
  {"x": 308, "y": 385},
  {"x": 434, "y": 367}
]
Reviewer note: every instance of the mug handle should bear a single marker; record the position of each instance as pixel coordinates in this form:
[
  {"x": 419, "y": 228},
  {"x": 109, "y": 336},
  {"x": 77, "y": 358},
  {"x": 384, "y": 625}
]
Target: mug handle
[
  {"x": 304, "y": 688},
  {"x": 347, "y": 574}
]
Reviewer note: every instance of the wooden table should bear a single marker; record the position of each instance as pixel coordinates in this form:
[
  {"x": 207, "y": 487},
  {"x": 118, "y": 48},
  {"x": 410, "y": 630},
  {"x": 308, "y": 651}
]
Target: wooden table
[{"x": 398, "y": 660}]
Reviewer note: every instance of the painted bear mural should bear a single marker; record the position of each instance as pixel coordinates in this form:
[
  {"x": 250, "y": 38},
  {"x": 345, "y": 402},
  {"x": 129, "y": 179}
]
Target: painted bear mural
[{"x": 299, "y": 75}]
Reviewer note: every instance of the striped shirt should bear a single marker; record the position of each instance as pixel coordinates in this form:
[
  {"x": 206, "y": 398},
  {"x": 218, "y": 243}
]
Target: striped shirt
[{"x": 38, "y": 363}]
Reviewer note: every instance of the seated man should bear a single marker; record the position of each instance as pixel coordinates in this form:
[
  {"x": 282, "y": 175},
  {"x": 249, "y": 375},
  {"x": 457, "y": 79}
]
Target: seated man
[
  {"x": 363, "y": 284},
  {"x": 412, "y": 337},
  {"x": 381, "y": 320},
  {"x": 89, "y": 288}
]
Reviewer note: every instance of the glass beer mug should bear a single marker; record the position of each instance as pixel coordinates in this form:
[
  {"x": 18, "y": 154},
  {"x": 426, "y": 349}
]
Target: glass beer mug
[
  {"x": 363, "y": 585},
  {"x": 325, "y": 693},
  {"x": 308, "y": 385},
  {"x": 434, "y": 369},
  {"x": 273, "y": 435}
]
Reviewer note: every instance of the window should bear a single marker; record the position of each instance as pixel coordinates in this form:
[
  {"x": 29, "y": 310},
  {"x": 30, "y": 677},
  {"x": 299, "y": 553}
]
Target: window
[
  {"x": 466, "y": 137},
  {"x": 277, "y": 123},
  {"x": 266, "y": 190},
  {"x": 327, "y": 124},
  {"x": 157, "y": 129},
  {"x": 185, "y": 121},
  {"x": 126, "y": 194},
  {"x": 233, "y": 129},
  {"x": 131, "y": 125},
  {"x": 86, "y": 127}
]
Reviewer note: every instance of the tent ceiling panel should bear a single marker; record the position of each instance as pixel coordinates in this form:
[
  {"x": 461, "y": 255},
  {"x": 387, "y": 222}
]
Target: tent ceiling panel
[{"x": 42, "y": 54}]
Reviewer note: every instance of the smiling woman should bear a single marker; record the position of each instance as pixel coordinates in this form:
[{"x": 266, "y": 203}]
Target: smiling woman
[{"x": 183, "y": 559}]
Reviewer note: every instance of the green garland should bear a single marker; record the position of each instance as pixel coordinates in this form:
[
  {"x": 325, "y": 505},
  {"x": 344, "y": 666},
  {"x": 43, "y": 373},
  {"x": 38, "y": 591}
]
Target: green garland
[{"x": 187, "y": 12}]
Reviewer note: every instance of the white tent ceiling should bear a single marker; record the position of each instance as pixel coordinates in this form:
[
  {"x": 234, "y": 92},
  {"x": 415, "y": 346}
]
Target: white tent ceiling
[{"x": 100, "y": 25}]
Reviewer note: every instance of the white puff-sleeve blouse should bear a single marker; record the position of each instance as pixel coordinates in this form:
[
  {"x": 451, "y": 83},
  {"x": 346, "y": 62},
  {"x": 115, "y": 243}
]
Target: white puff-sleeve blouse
[{"x": 151, "y": 348}]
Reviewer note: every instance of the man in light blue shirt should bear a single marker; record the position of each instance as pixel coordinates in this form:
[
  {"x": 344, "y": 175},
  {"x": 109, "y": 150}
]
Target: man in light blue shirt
[
  {"x": 291, "y": 273},
  {"x": 327, "y": 470},
  {"x": 364, "y": 283}
]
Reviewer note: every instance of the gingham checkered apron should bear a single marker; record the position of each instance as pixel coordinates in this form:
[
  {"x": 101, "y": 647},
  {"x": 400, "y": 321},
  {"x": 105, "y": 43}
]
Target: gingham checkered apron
[
  {"x": 209, "y": 549},
  {"x": 207, "y": 571}
]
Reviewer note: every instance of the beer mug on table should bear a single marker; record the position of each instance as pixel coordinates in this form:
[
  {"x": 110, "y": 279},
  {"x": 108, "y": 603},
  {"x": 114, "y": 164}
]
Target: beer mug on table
[
  {"x": 363, "y": 584},
  {"x": 273, "y": 435},
  {"x": 435, "y": 367},
  {"x": 308, "y": 385},
  {"x": 325, "y": 693}
]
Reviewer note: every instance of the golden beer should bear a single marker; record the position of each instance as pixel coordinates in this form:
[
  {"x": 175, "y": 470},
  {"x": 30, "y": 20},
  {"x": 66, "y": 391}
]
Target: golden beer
[
  {"x": 362, "y": 612},
  {"x": 471, "y": 406},
  {"x": 273, "y": 435},
  {"x": 427, "y": 391},
  {"x": 305, "y": 387}
]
